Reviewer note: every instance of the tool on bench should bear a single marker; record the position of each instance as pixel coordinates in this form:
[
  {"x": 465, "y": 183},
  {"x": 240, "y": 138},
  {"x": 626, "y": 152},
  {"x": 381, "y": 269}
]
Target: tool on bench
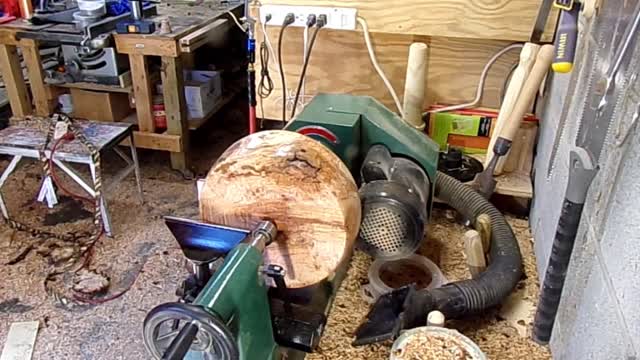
[
  {"x": 602, "y": 98},
  {"x": 137, "y": 24},
  {"x": 566, "y": 35},
  {"x": 486, "y": 180}
]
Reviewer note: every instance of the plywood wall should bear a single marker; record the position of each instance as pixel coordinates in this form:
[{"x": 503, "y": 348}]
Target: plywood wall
[
  {"x": 457, "y": 52},
  {"x": 340, "y": 64},
  {"x": 475, "y": 19}
]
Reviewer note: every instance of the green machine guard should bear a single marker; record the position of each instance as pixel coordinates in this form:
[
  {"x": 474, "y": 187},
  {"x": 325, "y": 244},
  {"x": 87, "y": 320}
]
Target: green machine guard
[{"x": 350, "y": 125}]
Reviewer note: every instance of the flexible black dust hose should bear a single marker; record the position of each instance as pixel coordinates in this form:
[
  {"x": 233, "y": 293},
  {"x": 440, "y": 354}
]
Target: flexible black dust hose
[
  {"x": 407, "y": 307},
  {"x": 501, "y": 276}
]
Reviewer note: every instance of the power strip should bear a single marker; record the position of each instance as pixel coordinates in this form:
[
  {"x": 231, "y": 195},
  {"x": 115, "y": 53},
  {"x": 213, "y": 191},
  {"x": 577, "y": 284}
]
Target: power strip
[{"x": 337, "y": 18}]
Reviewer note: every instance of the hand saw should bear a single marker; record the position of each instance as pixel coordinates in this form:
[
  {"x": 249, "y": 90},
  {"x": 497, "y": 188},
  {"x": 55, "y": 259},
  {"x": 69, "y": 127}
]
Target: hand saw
[{"x": 597, "y": 117}]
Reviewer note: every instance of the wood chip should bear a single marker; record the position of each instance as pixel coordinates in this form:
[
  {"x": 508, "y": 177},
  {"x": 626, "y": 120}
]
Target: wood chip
[
  {"x": 90, "y": 282},
  {"x": 432, "y": 347}
]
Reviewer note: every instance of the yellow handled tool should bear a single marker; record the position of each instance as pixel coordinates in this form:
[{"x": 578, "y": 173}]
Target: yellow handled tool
[{"x": 566, "y": 36}]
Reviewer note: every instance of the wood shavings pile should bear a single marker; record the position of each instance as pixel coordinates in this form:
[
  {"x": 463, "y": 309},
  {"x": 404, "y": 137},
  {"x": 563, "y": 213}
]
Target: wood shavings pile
[
  {"x": 432, "y": 347},
  {"x": 495, "y": 335}
]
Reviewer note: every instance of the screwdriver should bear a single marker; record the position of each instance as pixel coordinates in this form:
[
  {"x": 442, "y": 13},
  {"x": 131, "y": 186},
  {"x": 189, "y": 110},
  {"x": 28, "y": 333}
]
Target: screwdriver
[{"x": 566, "y": 36}]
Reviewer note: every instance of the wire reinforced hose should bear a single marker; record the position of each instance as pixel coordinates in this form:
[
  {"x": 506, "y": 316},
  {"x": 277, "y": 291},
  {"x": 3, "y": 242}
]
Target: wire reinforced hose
[
  {"x": 483, "y": 78},
  {"x": 407, "y": 307},
  {"x": 493, "y": 285},
  {"x": 374, "y": 61}
]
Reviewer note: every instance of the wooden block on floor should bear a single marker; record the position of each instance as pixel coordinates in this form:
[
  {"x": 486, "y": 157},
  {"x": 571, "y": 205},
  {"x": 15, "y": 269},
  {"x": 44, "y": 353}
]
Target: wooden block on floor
[{"x": 20, "y": 341}]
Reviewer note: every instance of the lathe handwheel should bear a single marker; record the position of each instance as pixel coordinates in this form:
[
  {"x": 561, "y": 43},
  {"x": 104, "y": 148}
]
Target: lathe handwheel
[{"x": 212, "y": 341}]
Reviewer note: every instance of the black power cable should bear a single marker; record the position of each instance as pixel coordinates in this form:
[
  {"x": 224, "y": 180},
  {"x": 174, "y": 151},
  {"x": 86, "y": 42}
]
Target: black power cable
[
  {"x": 288, "y": 20},
  {"x": 322, "y": 21},
  {"x": 265, "y": 87}
]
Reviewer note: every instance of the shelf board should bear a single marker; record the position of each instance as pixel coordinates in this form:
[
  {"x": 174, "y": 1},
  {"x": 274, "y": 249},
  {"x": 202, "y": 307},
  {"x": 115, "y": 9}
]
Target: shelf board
[
  {"x": 514, "y": 184},
  {"x": 97, "y": 87}
]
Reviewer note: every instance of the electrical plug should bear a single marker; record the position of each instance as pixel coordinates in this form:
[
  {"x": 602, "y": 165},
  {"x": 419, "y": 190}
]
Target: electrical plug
[
  {"x": 322, "y": 21},
  {"x": 289, "y": 19},
  {"x": 311, "y": 20}
]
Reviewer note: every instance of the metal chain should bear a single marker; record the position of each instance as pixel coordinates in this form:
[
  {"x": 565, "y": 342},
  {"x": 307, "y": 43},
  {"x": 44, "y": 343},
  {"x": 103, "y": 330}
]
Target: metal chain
[{"x": 97, "y": 215}]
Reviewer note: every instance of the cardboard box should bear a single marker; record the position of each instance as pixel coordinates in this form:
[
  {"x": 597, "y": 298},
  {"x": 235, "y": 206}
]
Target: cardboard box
[
  {"x": 202, "y": 90},
  {"x": 469, "y": 130},
  {"x": 100, "y": 106}
]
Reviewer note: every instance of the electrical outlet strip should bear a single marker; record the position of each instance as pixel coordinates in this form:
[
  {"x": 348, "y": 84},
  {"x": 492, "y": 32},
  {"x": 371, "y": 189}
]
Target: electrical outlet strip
[{"x": 337, "y": 18}]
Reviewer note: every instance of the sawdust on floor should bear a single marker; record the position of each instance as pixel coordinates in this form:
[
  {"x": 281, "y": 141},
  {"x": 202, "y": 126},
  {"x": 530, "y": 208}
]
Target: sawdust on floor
[
  {"x": 493, "y": 334},
  {"x": 142, "y": 255}
]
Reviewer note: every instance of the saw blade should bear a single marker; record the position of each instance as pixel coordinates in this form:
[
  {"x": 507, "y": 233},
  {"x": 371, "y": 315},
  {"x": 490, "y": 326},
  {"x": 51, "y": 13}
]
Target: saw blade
[
  {"x": 583, "y": 78},
  {"x": 605, "y": 94}
]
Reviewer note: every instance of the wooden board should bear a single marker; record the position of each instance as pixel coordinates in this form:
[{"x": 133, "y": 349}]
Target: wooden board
[
  {"x": 477, "y": 19},
  {"x": 12, "y": 74},
  {"x": 175, "y": 107},
  {"x": 31, "y": 55},
  {"x": 153, "y": 141},
  {"x": 300, "y": 185},
  {"x": 340, "y": 64}
]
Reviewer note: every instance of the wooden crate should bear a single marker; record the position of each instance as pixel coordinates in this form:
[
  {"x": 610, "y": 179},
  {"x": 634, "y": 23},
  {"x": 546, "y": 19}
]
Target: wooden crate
[{"x": 100, "y": 106}]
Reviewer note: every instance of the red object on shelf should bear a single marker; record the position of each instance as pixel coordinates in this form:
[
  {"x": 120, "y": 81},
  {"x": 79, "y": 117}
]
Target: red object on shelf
[
  {"x": 159, "y": 114},
  {"x": 10, "y": 10}
]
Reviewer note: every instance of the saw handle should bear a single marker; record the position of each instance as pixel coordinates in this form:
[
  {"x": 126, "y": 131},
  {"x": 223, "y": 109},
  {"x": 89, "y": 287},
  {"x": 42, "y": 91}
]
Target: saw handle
[
  {"x": 566, "y": 40},
  {"x": 551, "y": 289},
  {"x": 528, "y": 92}
]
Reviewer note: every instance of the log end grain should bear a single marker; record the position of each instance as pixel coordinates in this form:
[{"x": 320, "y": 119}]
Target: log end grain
[{"x": 297, "y": 183}]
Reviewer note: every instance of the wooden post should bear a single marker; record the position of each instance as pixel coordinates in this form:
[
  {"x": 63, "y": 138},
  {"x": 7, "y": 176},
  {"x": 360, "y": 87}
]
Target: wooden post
[
  {"x": 31, "y": 56},
  {"x": 13, "y": 81},
  {"x": 175, "y": 108},
  {"x": 415, "y": 84},
  {"x": 142, "y": 92}
]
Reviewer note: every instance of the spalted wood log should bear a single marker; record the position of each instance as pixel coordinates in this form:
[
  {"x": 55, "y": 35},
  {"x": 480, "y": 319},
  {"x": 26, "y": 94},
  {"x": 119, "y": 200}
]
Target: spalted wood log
[{"x": 295, "y": 182}]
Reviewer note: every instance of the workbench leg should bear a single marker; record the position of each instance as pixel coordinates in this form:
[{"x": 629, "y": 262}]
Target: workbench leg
[
  {"x": 31, "y": 56},
  {"x": 175, "y": 108},
  {"x": 13, "y": 81},
  {"x": 142, "y": 92}
]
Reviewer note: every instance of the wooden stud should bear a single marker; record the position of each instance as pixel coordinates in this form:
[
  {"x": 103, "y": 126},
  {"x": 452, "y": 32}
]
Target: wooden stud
[
  {"x": 175, "y": 108},
  {"x": 153, "y": 141},
  {"x": 8, "y": 36},
  {"x": 13, "y": 81},
  {"x": 142, "y": 92},
  {"x": 31, "y": 56},
  {"x": 131, "y": 44}
]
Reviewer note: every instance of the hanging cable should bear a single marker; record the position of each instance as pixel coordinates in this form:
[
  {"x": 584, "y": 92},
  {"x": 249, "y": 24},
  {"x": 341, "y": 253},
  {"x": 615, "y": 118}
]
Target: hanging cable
[
  {"x": 265, "y": 87},
  {"x": 374, "y": 61},
  {"x": 235, "y": 20},
  {"x": 288, "y": 20},
  {"x": 322, "y": 20},
  {"x": 483, "y": 78}
]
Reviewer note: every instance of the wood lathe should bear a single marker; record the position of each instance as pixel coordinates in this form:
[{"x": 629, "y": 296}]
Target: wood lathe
[
  {"x": 283, "y": 210},
  {"x": 280, "y": 214}
]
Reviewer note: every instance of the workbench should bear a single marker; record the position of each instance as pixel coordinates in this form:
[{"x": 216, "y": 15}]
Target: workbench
[{"x": 191, "y": 28}]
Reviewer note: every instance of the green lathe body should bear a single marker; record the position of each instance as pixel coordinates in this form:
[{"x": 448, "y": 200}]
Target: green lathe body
[
  {"x": 237, "y": 294},
  {"x": 350, "y": 125}
]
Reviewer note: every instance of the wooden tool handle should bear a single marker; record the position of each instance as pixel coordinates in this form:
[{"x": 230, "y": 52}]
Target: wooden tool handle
[
  {"x": 528, "y": 92},
  {"x": 527, "y": 58},
  {"x": 474, "y": 252},
  {"x": 415, "y": 84}
]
